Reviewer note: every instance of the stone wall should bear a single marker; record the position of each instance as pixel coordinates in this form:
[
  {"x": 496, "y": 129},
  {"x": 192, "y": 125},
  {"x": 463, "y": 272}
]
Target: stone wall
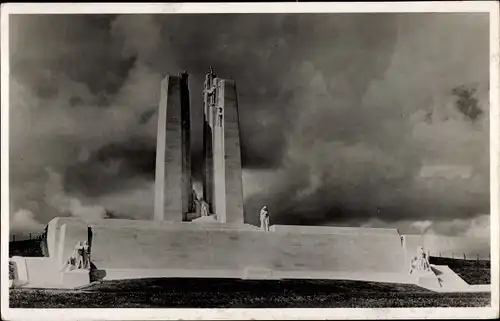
[
  {"x": 333, "y": 230},
  {"x": 35, "y": 271},
  {"x": 59, "y": 244},
  {"x": 152, "y": 248},
  {"x": 185, "y": 247}
]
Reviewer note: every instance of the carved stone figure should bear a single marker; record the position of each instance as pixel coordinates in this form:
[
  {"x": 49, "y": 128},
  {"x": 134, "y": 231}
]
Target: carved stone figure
[
  {"x": 86, "y": 255},
  {"x": 413, "y": 264},
  {"x": 13, "y": 275},
  {"x": 423, "y": 259},
  {"x": 204, "y": 208},
  {"x": 79, "y": 255},
  {"x": 220, "y": 114},
  {"x": 194, "y": 199},
  {"x": 264, "y": 218},
  {"x": 420, "y": 262},
  {"x": 71, "y": 262}
]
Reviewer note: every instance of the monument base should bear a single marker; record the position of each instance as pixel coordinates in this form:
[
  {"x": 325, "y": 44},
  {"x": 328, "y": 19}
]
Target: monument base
[
  {"x": 45, "y": 273},
  {"x": 428, "y": 279},
  {"x": 253, "y": 274},
  {"x": 132, "y": 249},
  {"x": 206, "y": 219},
  {"x": 75, "y": 278}
]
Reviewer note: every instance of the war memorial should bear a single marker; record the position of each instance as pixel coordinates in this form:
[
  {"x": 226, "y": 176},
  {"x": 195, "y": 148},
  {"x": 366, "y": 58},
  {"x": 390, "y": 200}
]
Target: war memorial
[{"x": 209, "y": 238}]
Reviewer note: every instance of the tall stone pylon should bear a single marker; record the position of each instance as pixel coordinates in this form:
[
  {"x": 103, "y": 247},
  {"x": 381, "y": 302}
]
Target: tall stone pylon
[
  {"x": 222, "y": 183},
  {"x": 173, "y": 153}
]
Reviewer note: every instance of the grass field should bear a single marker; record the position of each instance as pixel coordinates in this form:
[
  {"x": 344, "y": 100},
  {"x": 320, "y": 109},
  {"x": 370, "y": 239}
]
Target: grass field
[{"x": 218, "y": 293}]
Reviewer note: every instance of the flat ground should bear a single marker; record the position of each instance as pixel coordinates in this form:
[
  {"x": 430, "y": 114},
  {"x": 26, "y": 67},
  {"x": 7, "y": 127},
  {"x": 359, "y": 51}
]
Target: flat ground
[{"x": 223, "y": 293}]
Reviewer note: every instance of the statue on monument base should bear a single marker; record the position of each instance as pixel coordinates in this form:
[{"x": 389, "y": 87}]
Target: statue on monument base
[
  {"x": 264, "y": 219},
  {"x": 79, "y": 259},
  {"x": 86, "y": 255},
  {"x": 420, "y": 262},
  {"x": 194, "y": 199},
  {"x": 204, "y": 208}
]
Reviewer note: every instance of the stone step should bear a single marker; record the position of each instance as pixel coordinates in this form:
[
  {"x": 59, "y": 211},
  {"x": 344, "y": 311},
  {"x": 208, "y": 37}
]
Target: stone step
[{"x": 448, "y": 278}]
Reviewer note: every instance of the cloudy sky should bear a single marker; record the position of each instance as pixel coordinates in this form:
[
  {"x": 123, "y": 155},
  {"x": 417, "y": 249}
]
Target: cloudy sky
[{"x": 347, "y": 119}]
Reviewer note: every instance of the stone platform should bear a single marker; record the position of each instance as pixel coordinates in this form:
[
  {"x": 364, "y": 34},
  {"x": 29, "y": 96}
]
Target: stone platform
[
  {"x": 46, "y": 273},
  {"x": 122, "y": 249},
  {"x": 128, "y": 249},
  {"x": 211, "y": 246}
]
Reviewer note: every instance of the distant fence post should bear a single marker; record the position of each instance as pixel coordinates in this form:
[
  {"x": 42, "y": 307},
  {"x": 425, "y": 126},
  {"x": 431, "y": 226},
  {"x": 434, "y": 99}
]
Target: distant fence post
[
  {"x": 439, "y": 254},
  {"x": 452, "y": 255},
  {"x": 465, "y": 258},
  {"x": 30, "y": 236}
]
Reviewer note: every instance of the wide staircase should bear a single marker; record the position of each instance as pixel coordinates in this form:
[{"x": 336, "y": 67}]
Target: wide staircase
[{"x": 448, "y": 279}]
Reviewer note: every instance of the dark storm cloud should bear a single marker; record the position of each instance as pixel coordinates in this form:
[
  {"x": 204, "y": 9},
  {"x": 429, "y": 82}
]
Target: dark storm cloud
[
  {"x": 79, "y": 47},
  {"x": 135, "y": 158},
  {"x": 343, "y": 116},
  {"x": 362, "y": 158}
]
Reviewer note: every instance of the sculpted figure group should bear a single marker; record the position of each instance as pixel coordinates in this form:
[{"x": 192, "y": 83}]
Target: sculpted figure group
[
  {"x": 420, "y": 262},
  {"x": 80, "y": 258}
]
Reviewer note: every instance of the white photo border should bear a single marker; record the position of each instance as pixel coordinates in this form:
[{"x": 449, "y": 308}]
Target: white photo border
[{"x": 491, "y": 7}]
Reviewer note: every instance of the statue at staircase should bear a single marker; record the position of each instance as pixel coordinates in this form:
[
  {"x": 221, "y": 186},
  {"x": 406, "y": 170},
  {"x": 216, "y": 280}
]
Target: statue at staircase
[
  {"x": 264, "y": 219},
  {"x": 79, "y": 258},
  {"x": 420, "y": 262},
  {"x": 86, "y": 255},
  {"x": 204, "y": 208}
]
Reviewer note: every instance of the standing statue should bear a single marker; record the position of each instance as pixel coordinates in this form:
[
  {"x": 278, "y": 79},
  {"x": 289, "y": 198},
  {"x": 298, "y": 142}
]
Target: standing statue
[
  {"x": 209, "y": 84},
  {"x": 204, "y": 208},
  {"x": 413, "y": 264},
  {"x": 86, "y": 255},
  {"x": 220, "y": 115},
  {"x": 79, "y": 255},
  {"x": 264, "y": 219},
  {"x": 423, "y": 259}
]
